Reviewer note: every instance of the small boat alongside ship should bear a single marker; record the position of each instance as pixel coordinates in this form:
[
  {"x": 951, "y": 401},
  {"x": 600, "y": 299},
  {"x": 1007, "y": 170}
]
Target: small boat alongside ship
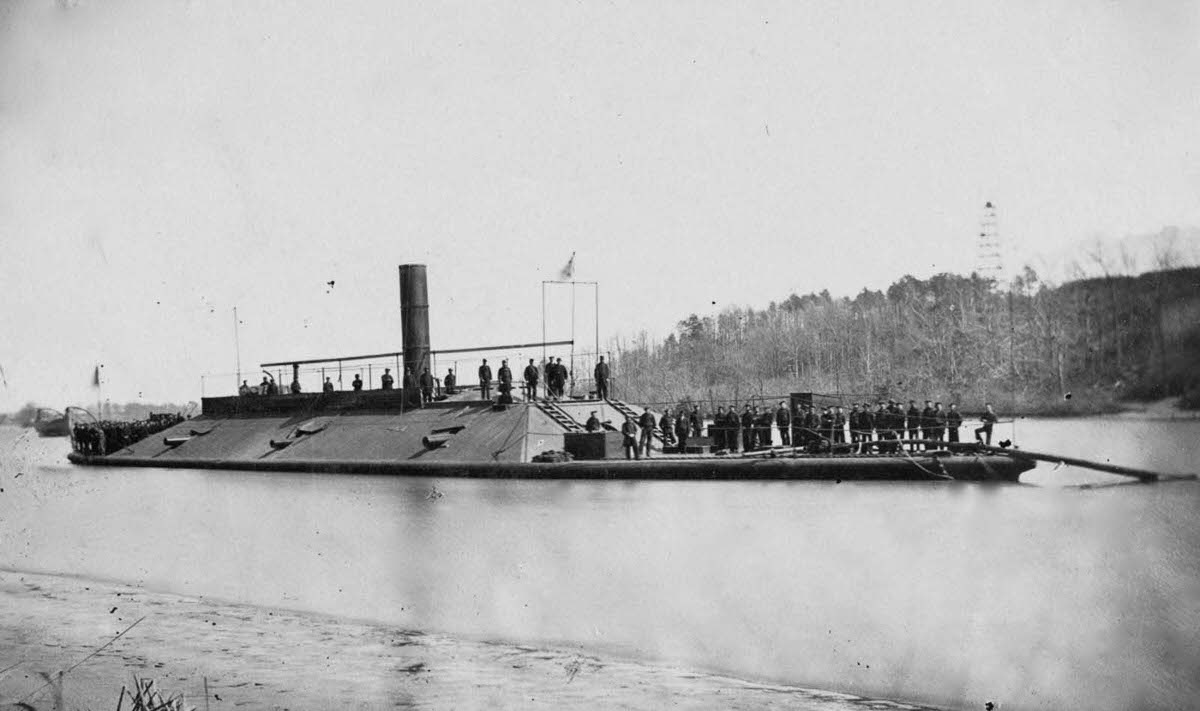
[
  {"x": 462, "y": 435},
  {"x": 51, "y": 423}
]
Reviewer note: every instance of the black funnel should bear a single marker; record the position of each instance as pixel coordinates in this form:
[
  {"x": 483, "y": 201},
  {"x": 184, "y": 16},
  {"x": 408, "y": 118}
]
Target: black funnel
[{"x": 414, "y": 317}]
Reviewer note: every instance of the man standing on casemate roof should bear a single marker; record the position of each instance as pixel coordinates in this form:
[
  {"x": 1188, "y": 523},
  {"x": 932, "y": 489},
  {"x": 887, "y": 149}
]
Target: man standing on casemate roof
[
  {"x": 485, "y": 381},
  {"x": 531, "y": 381},
  {"x": 602, "y": 379},
  {"x": 426, "y": 383}
]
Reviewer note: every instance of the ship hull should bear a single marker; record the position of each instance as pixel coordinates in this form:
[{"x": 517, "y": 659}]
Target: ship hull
[{"x": 838, "y": 468}]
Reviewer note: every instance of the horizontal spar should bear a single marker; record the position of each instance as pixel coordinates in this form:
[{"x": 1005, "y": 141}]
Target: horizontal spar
[{"x": 1140, "y": 474}]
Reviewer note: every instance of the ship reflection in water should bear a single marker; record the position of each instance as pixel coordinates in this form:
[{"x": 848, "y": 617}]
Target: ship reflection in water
[{"x": 1034, "y": 596}]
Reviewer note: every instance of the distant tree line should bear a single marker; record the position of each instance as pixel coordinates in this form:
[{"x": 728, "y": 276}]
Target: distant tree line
[{"x": 1029, "y": 347}]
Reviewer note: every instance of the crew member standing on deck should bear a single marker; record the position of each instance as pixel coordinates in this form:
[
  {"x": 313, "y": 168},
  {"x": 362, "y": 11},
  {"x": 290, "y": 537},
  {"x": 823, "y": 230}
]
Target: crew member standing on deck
[
  {"x": 939, "y": 423},
  {"x": 553, "y": 382},
  {"x": 426, "y": 383},
  {"x": 629, "y": 438},
  {"x": 732, "y": 424},
  {"x": 666, "y": 423},
  {"x": 696, "y": 420},
  {"x": 763, "y": 423},
  {"x": 505, "y": 376},
  {"x": 412, "y": 392},
  {"x": 783, "y": 420},
  {"x": 928, "y": 422},
  {"x": 563, "y": 376},
  {"x": 602, "y": 379},
  {"x": 682, "y": 427},
  {"x": 531, "y": 381},
  {"x": 646, "y": 422},
  {"x": 747, "y": 423},
  {"x": 357, "y": 382},
  {"x": 953, "y": 422},
  {"x": 449, "y": 382},
  {"x": 485, "y": 381},
  {"x": 839, "y": 425},
  {"x": 914, "y": 423},
  {"x": 827, "y": 424},
  {"x": 327, "y": 387},
  {"x": 988, "y": 418},
  {"x": 386, "y": 381},
  {"x": 717, "y": 430}
]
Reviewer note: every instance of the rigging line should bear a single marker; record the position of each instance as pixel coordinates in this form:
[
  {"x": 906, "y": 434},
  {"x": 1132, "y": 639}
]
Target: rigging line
[{"x": 99, "y": 649}]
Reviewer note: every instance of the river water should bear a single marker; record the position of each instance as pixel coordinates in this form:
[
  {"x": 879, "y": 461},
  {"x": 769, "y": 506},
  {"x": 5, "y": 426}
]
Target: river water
[{"x": 1044, "y": 594}]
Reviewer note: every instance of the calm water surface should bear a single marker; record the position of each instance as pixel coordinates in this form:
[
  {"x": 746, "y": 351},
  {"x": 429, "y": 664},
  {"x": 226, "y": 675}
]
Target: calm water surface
[{"x": 1039, "y": 595}]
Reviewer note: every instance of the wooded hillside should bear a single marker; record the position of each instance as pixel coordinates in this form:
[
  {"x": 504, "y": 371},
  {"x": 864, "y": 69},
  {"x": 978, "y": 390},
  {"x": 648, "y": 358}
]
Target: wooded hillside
[{"x": 1079, "y": 347}]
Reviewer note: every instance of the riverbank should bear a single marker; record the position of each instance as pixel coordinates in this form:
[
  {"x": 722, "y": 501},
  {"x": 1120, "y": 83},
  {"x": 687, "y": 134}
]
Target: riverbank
[{"x": 251, "y": 657}]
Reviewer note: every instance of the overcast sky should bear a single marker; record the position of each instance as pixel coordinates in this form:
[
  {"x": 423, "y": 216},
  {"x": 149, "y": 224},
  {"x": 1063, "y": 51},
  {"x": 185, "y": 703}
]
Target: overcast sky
[{"x": 162, "y": 162}]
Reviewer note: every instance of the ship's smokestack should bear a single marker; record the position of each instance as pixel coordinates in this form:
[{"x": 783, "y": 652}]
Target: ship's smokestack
[{"x": 414, "y": 317}]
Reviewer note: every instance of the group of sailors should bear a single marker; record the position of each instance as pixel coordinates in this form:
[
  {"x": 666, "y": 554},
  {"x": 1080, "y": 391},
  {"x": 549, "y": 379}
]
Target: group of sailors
[
  {"x": 882, "y": 428},
  {"x": 425, "y": 387},
  {"x": 108, "y": 436}
]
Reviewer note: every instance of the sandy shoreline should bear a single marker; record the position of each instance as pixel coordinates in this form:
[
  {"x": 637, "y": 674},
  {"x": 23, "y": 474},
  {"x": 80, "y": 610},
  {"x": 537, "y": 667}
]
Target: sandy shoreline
[{"x": 262, "y": 658}]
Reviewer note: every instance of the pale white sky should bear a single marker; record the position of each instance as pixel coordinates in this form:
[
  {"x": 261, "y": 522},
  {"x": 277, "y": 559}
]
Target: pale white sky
[{"x": 163, "y": 161}]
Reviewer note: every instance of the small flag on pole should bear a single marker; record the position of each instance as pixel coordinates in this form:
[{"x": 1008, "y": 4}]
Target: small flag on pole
[{"x": 568, "y": 271}]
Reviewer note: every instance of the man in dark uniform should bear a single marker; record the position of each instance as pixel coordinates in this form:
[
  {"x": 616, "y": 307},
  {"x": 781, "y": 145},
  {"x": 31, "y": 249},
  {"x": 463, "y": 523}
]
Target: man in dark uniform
[
  {"x": 928, "y": 423},
  {"x": 449, "y": 382},
  {"x": 717, "y": 430},
  {"x": 554, "y": 378},
  {"x": 602, "y": 379},
  {"x": 953, "y": 422},
  {"x": 696, "y": 420},
  {"x": 629, "y": 438},
  {"x": 386, "y": 381},
  {"x": 783, "y": 420},
  {"x": 426, "y": 383},
  {"x": 666, "y": 423},
  {"x": 485, "y": 381},
  {"x": 593, "y": 422},
  {"x": 327, "y": 387},
  {"x": 839, "y": 425},
  {"x": 357, "y": 383},
  {"x": 747, "y": 429},
  {"x": 412, "y": 393},
  {"x": 531, "y": 381},
  {"x": 826, "y": 426},
  {"x": 683, "y": 426},
  {"x": 988, "y": 418},
  {"x": 854, "y": 419},
  {"x": 764, "y": 422},
  {"x": 939, "y": 423},
  {"x": 866, "y": 420},
  {"x": 505, "y": 376},
  {"x": 914, "y": 423},
  {"x": 731, "y": 429},
  {"x": 898, "y": 420},
  {"x": 646, "y": 422}
]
